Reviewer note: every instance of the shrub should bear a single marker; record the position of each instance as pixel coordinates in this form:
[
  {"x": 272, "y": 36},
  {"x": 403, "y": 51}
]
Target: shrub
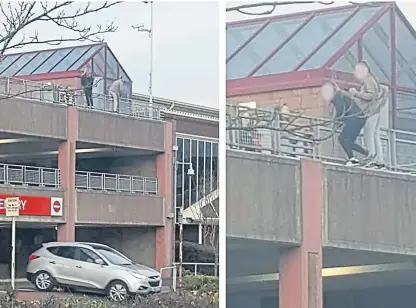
[
  {"x": 196, "y": 253},
  {"x": 168, "y": 300},
  {"x": 201, "y": 284}
]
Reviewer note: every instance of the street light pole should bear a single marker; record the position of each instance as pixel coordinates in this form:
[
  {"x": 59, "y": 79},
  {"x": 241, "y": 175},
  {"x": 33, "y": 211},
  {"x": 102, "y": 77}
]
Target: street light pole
[
  {"x": 149, "y": 30},
  {"x": 151, "y": 61},
  {"x": 180, "y": 221}
]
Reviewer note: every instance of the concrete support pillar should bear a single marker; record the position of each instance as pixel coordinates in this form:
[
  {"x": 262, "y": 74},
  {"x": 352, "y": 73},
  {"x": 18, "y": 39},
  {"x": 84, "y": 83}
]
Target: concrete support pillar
[
  {"x": 164, "y": 172},
  {"x": 300, "y": 269},
  {"x": 66, "y": 163}
]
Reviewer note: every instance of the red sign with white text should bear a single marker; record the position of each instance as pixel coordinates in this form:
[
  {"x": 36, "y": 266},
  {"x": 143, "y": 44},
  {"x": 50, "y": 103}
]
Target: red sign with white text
[{"x": 35, "y": 205}]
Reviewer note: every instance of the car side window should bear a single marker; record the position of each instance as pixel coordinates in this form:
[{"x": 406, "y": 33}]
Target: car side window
[
  {"x": 53, "y": 250},
  {"x": 87, "y": 255},
  {"x": 67, "y": 252}
]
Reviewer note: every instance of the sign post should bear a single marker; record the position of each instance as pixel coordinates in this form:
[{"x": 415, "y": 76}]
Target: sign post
[{"x": 12, "y": 206}]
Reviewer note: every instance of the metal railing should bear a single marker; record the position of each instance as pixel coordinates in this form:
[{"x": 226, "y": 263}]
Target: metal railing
[
  {"x": 199, "y": 268},
  {"x": 116, "y": 182},
  {"x": 28, "y": 175},
  {"x": 47, "y": 92},
  {"x": 295, "y": 135}
]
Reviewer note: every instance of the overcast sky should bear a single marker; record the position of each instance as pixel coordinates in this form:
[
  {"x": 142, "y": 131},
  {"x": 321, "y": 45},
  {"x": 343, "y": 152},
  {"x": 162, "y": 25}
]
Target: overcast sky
[{"x": 185, "y": 47}]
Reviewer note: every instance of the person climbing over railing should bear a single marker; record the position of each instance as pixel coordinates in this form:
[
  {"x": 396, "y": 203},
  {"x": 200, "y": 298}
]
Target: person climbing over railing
[
  {"x": 115, "y": 92},
  {"x": 350, "y": 116},
  {"x": 87, "y": 82},
  {"x": 371, "y": 97}
]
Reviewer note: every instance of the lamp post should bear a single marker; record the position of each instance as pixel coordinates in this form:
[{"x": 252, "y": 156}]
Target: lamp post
[
  {"x": 149, "y": 30},
  {"x": 190, "y": 173}
]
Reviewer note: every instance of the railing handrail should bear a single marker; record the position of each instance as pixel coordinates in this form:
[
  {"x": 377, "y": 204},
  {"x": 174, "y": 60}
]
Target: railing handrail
[
  {"x": 91, "y": 180},
  {"x": 29, "y": 175},
  {"x": 271, "y": 138},
  {"x": 153, "y": 111},
  {"x": 116, "y": 175}
]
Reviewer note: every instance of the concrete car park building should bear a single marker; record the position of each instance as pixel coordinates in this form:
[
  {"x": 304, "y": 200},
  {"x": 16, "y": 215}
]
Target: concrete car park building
[
  {"x": 89, "y": 174},
  {"x": 302, "y": 230}
]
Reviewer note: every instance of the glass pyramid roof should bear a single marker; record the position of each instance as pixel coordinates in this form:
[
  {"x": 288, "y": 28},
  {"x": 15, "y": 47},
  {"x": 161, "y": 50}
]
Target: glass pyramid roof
[
  {"x": 303, "y": 41},
  {"x": 47, "y": 61}
]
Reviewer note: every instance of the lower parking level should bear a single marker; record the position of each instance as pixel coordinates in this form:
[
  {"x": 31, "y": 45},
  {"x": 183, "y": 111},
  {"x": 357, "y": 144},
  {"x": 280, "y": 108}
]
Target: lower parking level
[
  {"x": 138, "y": 243},
  {"x": 380, "y": 297}
]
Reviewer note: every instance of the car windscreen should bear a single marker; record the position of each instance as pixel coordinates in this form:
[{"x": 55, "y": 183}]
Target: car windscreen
[{"x": 113, "y": 256}]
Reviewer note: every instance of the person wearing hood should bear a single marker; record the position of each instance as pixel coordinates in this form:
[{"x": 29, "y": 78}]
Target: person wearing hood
[
  {"x": 350, "y": 117},
  {"x": 115, "y": 92},
  {"x": 371, "y": 97},
  {"x": 87, "y": 82}
]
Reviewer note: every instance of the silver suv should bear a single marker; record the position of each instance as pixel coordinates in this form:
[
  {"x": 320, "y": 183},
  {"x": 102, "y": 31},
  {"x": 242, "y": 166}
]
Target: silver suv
[{"x": 90, "y": 266}]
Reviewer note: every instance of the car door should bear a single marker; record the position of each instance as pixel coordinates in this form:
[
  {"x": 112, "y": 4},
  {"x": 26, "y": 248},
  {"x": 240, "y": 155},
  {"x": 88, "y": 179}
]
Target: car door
[
  {"x": 91, "y": 274},
  {"x": 65, "y": 265}
]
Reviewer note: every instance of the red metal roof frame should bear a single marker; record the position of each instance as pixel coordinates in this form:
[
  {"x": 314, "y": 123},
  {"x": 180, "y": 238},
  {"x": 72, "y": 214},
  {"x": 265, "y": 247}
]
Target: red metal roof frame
[{"x": 300, "y": 79}]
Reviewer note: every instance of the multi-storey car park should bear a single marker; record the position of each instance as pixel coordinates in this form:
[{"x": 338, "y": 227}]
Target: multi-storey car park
[
  {"x": 303, "y": 230},
  {"x": 91, "y": 174}
]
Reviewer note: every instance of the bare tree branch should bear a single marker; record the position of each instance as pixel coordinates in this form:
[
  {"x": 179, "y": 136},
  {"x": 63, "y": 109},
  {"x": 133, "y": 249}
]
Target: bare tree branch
[
  {"x": 18, "y": 16},
  {"x": 272, "y": 5}
]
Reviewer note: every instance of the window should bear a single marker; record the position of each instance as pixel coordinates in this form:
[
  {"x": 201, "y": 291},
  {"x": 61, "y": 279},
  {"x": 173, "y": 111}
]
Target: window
[
  {"x": 85, "y": 57},
  {"x": 236, "y": 36},
  {"x": 302, "y": 44},
  {"x": 113, "y": 256},
  {"x": 405, "y": 55},
  {"x": 259, "y": 47},
  {"x": 7, "y": 61},
  {"x": 69, "y": 60},
  {"x": 203, "y": 154},
  {"x": 35, "y": 62},
  {"x": 340, "y": 38},
  {"x": 99, "y": 63},
  {"x": 406, "y": 112},
  {"x": 67, "y": 252},
  {"x": 112, "y": 66},
  {"x": 87, "y": 255},
  {"x": 17, "y": 65},
  {"x": 52, "y": 61}
]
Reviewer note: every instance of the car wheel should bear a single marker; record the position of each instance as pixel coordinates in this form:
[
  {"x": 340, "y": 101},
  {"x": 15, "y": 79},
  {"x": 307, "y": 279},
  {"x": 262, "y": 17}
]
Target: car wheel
[
  {"x": 44, "y": 281},
  {"x": 117, "y": 291}
]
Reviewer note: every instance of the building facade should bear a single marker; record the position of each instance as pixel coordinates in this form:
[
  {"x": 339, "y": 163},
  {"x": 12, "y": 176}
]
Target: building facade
[
  {"x": 302, "y": 230},
  {"x": 86, "y": 174}
]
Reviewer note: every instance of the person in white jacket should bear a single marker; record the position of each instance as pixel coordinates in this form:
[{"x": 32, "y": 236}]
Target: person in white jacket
[
  {"x": 115, "y": 92},
  {"x": 371, "y": 97}
]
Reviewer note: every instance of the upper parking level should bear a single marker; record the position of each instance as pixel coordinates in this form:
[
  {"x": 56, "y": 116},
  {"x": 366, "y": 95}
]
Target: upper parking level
[
  {"x": 41, "y": 110},
  {"x": 295, "y": 135}
]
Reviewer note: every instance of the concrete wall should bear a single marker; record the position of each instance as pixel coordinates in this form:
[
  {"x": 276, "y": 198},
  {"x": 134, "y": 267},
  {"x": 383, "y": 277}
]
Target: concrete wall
[
  {"x": 307, "y": 99},
  {"x": 119, "y": 208},
  {"x": 263, "y": 199},
  {"x": 33, "y": 118},
  {"x": 372, "y": 210},
  {"x": 197, "y": 127},
  {"x": 139, "y": 244},
  {"x": 118, "y": 130}
]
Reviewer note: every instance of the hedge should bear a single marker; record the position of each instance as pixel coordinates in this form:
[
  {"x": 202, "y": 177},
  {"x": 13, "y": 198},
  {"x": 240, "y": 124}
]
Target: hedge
[
  {"x": 168, "y": 300},
  {"x": 198, "y": 292}
]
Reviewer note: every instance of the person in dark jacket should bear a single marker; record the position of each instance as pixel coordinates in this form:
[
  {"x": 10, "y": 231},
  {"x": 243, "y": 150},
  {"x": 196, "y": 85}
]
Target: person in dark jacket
[
  {"x": 352, "y": 119},
  {"x": 87, "y": 82}
]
